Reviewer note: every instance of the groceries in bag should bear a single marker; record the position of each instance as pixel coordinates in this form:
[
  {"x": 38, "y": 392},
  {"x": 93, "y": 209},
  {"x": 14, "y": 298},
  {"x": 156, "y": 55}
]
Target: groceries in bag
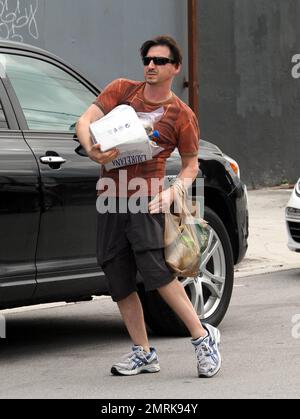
[{"x": 185, "y": 237}]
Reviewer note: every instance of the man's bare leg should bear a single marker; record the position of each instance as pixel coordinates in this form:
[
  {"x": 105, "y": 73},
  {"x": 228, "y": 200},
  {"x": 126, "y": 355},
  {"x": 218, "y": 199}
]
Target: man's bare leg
[
  {"x": 133, "y": 316},
  {"x": 176, "y": 297}
]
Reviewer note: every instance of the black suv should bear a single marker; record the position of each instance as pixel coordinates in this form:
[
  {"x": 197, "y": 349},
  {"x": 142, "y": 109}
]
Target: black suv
[{"x": 48, "y": 197}]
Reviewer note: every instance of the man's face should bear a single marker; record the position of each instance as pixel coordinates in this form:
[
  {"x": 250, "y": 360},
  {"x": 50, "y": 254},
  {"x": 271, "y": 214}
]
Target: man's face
[{"x": 158, "y": 74}]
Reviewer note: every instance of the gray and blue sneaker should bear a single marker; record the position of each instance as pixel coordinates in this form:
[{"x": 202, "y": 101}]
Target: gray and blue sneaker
[
  {"x": 207, "y": 352},
  {"x": 137, "y": 362}
]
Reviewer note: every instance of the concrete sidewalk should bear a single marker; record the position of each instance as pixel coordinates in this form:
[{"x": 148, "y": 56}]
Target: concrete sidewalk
[{"x": 268, "y": 251}]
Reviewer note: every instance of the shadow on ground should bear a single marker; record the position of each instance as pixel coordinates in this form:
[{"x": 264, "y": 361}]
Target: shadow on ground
[{"x": 70, "y": 327}]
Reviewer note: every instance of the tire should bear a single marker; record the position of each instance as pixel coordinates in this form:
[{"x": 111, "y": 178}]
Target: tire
[{"x": 210, "y": 293}]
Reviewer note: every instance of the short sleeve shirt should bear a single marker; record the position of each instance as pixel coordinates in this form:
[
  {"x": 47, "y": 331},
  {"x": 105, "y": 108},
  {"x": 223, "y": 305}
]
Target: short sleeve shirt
[{"x": 178, "y": 128}]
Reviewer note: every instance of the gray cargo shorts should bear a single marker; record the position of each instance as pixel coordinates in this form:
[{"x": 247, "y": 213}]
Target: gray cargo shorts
[{"x": 130, "y": 243}]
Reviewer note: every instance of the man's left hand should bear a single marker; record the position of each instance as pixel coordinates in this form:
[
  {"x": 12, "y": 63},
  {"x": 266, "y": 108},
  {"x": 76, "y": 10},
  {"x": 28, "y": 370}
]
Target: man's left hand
[{"x": 162, "y": 202}]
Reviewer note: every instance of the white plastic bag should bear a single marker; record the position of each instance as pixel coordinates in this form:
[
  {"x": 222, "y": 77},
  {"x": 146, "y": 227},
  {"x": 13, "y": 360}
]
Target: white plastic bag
[{"x": 149, "y": 119}]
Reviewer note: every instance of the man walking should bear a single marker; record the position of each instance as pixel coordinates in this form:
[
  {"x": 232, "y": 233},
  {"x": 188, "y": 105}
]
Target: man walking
[{"x": 127, "y": 242}]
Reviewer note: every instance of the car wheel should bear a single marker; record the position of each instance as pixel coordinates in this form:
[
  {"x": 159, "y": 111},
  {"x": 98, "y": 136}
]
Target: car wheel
[{"x": 210, "y": 292}]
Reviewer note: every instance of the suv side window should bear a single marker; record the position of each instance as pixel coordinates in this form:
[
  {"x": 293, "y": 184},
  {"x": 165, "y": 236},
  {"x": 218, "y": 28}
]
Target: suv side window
[
  {"x": 3, "y": 121},
  {"x": 51, "y": 99}
]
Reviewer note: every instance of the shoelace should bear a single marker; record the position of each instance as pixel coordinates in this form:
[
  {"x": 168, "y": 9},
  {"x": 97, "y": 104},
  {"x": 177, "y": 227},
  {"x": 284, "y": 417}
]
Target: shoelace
[
  {"x": 203, "y": 352},
  {"x": 133, "y": 355}
]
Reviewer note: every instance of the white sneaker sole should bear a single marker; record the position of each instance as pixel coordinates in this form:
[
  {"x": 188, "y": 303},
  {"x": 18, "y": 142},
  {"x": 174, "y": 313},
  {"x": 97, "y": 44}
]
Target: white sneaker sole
[{"x": 141, "y": 370}]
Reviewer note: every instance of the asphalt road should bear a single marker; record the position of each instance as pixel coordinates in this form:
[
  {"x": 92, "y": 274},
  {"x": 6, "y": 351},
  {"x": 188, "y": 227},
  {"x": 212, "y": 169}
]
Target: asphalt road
[{"x": 67, "y": 351}]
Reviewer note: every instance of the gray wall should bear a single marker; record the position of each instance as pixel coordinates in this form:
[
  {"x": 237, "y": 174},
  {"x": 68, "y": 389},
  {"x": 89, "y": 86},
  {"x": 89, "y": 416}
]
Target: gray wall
[
  {"x": 100, "y": 37},
  {"x": 249, "y": 99}
]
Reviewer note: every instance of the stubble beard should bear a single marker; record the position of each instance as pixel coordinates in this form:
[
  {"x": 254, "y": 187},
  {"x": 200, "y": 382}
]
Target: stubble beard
[
  {"x": 151, "y": 81},
  {"x": 152, "y": 78}
]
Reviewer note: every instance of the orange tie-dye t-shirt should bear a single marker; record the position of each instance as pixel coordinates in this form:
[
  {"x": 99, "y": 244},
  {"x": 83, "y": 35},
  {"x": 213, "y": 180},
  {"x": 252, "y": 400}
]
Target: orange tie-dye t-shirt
[{"x": 177, "y": 128}]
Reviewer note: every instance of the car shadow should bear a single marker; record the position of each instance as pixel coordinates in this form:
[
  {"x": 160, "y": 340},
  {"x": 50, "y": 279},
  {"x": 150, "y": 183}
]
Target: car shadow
[{"x": 72, "y": 327}]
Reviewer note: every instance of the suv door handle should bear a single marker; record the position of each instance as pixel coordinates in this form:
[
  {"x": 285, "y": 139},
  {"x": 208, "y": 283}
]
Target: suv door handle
[{"x": 52, "y": 160}]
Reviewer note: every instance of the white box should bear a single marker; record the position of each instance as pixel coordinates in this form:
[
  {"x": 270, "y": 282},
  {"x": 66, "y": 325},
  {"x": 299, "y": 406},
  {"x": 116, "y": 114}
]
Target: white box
[
  {"x": 128, "y": 158},
  {"x": 122, "y": 129}
]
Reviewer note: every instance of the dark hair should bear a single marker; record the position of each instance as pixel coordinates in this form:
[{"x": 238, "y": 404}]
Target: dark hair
[{"x": 164, "y": 40}]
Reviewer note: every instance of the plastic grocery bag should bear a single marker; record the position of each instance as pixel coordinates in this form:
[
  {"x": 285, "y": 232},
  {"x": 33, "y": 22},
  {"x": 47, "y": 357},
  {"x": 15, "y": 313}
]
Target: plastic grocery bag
[
  {"x": 149, "y": 119},
  {"x": 185, "y": 238}
]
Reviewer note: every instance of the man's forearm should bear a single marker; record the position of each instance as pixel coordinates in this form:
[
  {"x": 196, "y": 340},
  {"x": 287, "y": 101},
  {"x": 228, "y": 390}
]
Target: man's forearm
[
  {"x": 83, "y": 126},
  {"x": 83, "y": 134},
  {"x": 93, "y": 150}
]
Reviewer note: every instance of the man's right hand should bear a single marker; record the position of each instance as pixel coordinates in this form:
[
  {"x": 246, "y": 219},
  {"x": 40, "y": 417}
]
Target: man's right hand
[
  {"x": 92, "y": 114},
  {"x": 100, "y": 157}
]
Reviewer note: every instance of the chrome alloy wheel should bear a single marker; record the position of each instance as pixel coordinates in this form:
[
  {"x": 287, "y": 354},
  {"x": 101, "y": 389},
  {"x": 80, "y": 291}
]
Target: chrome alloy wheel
[{"x": 206, "y": 290}]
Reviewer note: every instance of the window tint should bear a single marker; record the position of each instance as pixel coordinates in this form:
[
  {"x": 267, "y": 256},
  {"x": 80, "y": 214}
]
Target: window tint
[{"x": 51, "y": 99}]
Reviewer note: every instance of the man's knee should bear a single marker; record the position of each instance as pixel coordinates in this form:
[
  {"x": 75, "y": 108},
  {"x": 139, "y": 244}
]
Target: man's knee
[{"x": 169, "y": 285}]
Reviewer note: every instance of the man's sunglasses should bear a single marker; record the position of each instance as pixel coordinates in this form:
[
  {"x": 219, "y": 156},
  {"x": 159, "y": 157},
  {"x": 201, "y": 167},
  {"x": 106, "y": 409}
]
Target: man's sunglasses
[{"x": 158, "y": 60}]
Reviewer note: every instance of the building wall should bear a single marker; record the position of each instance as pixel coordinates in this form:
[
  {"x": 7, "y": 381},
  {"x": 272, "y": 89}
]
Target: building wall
[
  {"x": 100, "y": 37},
  {"x": 250, "y": 102}
]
